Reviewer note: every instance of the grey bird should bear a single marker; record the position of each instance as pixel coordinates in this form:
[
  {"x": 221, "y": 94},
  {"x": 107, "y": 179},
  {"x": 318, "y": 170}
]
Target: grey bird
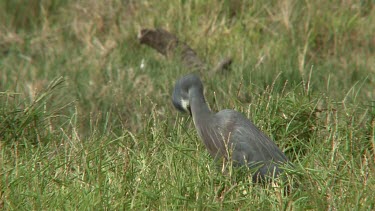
[{"x": 228, "y": 134}]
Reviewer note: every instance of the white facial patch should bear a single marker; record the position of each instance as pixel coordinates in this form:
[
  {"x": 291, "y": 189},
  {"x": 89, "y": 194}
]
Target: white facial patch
[{"x": 185, "y": 104}]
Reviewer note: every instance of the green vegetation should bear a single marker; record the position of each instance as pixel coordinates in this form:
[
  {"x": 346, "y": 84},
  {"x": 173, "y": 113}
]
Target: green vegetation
[{"x": 83, "y": 126}]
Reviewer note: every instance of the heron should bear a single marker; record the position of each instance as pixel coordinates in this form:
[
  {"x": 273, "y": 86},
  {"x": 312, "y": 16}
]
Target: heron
[{"x": 228, "y": 134}]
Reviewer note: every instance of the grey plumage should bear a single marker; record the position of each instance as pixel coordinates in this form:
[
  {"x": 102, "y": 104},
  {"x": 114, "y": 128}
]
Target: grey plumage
[{"x": 228, "y": 133}]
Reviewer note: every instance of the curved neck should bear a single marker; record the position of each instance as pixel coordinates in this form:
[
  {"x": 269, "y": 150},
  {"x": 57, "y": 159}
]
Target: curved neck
[{"x": 198, "y": 104}]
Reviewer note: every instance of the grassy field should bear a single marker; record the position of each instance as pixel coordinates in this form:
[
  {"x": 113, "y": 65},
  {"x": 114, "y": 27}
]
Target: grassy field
[{"x": 84, "y": 127}]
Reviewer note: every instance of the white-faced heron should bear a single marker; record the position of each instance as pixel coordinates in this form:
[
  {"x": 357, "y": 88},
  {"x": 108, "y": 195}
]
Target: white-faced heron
[{"x": 228, "y": 133}]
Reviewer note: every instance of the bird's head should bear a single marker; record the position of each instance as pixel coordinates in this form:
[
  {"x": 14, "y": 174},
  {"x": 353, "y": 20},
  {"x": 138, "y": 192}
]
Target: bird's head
[{"x": 180, "y": 97}]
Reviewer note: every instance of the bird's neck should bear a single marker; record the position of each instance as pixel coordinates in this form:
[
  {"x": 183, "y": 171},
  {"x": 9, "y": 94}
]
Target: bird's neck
[{"x": 198, "y": 105}]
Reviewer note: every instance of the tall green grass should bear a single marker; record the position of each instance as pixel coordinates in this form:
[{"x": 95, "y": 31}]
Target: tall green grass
[{"x": 83, "y": 126}]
